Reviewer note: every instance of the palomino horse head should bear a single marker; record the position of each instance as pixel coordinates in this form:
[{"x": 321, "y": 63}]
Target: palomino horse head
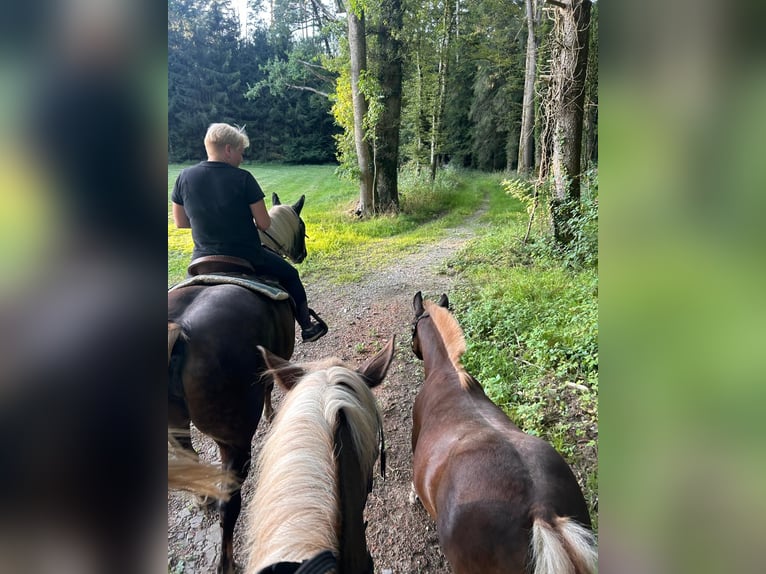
[
  {"x": 315, "y": 468},
  {"x": 504, "y": 502},
  {"x": 287, "y": 234}
]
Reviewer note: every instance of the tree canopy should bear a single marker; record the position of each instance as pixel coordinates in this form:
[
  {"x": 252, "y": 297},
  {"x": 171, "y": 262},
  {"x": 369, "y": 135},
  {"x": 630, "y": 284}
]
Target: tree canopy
[{"x": 437, "y": 82}]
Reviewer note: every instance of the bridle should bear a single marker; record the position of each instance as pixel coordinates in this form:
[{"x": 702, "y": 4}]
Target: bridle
[
  {"x": 281, "y": 251},
  {"x": 415, "y": 331},
  {"x": 322, "y": 563}
]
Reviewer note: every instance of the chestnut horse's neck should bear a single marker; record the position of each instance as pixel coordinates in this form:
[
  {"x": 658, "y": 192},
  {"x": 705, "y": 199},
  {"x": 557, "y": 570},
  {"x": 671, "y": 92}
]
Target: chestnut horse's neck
[{"x": 442, "y": 343}]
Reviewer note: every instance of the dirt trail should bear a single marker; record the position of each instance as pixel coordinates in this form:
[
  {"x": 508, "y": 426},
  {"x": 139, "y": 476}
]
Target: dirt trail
[{"x": 362, "y": 317}]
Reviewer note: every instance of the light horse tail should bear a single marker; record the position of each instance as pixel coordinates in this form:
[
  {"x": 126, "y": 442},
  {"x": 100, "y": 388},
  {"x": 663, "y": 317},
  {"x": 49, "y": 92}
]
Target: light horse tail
[
  {"x": 296, "y": 506},
  {"x": 563, "y": 546},
  {"x": 187, "y": 472},
  {"x": 174, "y": 332}
]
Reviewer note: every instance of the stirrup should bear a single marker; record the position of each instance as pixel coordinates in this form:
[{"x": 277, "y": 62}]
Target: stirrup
[
  {"x": 318, "y": 319},
  {"x": 315, "y": 331}
]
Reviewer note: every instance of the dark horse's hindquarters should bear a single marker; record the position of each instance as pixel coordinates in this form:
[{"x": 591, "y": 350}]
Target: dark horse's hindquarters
[{"x": 215, "y": 371}]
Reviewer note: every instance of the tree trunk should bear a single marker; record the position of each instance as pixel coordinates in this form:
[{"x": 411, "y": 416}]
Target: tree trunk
[
  {"x": 448, "y": 26},
  {"x": 358, "y": 47},
  {"x": 568, "y": 84},
  {"x": 590, "y": 138},
  {"x": 387, "y": 129},
  {"x": 526, "y": 161}
]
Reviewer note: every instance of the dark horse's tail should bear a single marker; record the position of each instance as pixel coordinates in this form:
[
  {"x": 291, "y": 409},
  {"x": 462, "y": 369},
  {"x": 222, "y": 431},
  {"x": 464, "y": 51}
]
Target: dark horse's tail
[
  {"x": 185, "y": 471},
  {"x": 176, "y": 347},
  {"x": 563, "y": 546}
]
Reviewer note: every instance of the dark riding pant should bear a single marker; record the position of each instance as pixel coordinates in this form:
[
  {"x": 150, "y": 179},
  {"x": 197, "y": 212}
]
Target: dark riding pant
[{"x": 273, "y": 265}]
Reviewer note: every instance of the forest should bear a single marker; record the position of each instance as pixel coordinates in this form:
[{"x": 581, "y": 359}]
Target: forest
[{"x": 382, "y": 85}]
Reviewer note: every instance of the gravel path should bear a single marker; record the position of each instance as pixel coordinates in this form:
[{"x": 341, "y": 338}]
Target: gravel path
[{"x": 362, "y": 317}]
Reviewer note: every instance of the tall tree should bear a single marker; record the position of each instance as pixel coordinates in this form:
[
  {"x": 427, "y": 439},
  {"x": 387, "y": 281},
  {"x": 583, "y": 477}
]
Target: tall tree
[
  {"x": 590, "y": 137},
  {"x": 569, "y": 65},
  {"x": 204, "y": 85},
  {"x": 357, "y": 44},
  {"x": 388, "y": 32},
  {"x": 526, "y": 160},
  {"x": 446, "y": 32}
]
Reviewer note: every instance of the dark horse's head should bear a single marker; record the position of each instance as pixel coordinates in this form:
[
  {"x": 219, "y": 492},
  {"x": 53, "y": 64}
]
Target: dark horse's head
[
  {"x": 421, "y": 313},
  {"x": 287, "y": 234}
]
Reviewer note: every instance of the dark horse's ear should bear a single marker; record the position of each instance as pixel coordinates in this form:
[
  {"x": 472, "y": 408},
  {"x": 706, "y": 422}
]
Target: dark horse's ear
[
  {"x": 275, "y": 199},
  {"x": 299, "y": 205},
  {"x": 443, "y": 301},
  {"x": 285, "y": 373},
  {"x": 417, "y": 304},
  {"x": 374, "y": 370}
]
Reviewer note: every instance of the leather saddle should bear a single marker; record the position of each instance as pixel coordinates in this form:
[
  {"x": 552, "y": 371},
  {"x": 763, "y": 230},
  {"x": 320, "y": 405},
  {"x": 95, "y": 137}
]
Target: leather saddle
[{"x": 211, "y": 264}]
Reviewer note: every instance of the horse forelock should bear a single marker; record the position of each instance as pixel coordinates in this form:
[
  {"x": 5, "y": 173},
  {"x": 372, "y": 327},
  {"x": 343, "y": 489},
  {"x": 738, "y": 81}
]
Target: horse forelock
[
  {"x": 284, "y": 225},
  {"x": 453, "y": 339},
  {"x": 295, "y": 509}
]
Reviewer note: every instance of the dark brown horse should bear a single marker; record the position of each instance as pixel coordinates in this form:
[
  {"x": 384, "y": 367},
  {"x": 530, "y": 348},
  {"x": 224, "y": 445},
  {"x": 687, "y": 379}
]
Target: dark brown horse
[
  {"x": 315, "y": 468},
  {"x": 215, "y": 368},
  {"x": 503, "y": 501}
]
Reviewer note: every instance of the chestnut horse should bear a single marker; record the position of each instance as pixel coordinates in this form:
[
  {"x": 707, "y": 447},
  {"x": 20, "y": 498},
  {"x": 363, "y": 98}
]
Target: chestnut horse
[
  {"x": 315, "y": 468},
  {"x": 215, "y": 368},
  {"x": 503, "y": 501}
]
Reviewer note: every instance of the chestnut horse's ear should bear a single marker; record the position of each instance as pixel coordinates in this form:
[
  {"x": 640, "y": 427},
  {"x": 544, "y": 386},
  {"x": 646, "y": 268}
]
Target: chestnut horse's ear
[
  {"x": 443, "y": 301},
  {"x": 299, "y": 205},
  {"x": 285, "y": 373},
  {"x": 374, "y": 370},
  {"x": 275, "y": 199},
  {"x": 417, "y": 304}
]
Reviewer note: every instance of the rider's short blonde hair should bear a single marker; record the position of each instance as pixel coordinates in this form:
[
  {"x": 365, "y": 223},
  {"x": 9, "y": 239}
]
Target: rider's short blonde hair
[{"x": 220, "y": 135}]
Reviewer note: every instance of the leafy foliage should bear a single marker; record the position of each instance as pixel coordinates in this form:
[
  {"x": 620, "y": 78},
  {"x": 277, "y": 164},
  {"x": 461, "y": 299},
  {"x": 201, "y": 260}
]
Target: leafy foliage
[{"x": 530, "y": 315}]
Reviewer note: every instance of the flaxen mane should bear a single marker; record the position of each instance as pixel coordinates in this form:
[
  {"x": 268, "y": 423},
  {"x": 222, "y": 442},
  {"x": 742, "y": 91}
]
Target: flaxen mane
[
  {"x": 284, "y": 226},
  {"x": 453, "y": 338},
  {"x": 295, "y": 508}
]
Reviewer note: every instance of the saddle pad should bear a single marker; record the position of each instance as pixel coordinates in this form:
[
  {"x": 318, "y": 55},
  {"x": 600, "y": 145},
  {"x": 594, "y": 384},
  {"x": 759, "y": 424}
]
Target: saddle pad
[{"x": 253, "y": 285}]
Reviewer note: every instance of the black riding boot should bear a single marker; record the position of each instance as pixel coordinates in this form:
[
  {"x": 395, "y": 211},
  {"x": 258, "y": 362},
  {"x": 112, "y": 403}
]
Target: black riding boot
[{"x": 310, "y": 331}]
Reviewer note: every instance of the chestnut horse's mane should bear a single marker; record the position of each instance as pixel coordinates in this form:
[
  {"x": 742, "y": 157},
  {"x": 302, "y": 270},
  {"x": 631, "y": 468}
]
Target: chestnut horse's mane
[
  {"x": 295, "y": 509},
  {"x": 454, "y": 340}
]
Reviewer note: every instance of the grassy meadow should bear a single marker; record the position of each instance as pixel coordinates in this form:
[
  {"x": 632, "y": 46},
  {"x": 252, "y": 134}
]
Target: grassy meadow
[
  {"x": 341, "y": 248},
  {"x": 529, "y": 311}
]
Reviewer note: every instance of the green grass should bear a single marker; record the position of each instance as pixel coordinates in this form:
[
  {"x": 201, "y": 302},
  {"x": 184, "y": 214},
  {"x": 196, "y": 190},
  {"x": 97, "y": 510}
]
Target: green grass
[
  {"x": 342, "y": 248},
  {"x": 530, "y": 318}
]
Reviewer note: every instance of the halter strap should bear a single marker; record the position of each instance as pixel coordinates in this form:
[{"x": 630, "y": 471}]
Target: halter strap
[
  {"x": 320, "y": 564},
  {"x": 417, "y": 320}
]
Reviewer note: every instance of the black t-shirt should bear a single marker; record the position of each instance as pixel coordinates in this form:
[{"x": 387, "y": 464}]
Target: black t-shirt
[{"x": 216, "y": 197}]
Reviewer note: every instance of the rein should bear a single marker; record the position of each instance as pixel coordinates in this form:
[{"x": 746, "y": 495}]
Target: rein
[
  {"x": 282, "y": 251},
  {"x": 382, "y": 445}
]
